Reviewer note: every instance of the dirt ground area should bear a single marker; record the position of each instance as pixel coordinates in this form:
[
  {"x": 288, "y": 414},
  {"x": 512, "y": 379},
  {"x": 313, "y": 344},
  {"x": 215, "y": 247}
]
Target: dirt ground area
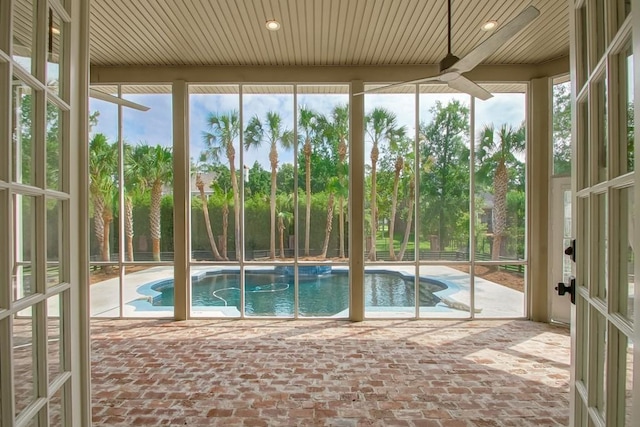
[{"x": 495, "y": 275}]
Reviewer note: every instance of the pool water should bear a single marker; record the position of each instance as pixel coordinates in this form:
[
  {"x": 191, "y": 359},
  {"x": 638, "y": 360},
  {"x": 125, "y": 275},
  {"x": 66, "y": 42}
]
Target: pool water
[{"x": 323, "y": 295}]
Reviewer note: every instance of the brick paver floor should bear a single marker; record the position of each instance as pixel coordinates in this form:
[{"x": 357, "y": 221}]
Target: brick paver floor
[{"x": 329, "y": 373}]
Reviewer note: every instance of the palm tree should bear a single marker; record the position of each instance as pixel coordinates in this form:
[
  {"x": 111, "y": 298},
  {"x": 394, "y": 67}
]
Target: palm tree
[
  {"x": 103, "y": 166},
  {"x": 381, "y": 125},
  {"x": 338, "y": 129},
  {"x": 156, "y": 169},
  {"x": 226, "y": 197},
  {"x": 496, "y": 154},
  {"x": 272, "y": 133},
  {"x": 307, "y": 121},
  {"x": 205, "y": 213},
  {"x": 132, "y": 186},
  {"x": 284, "y": 204},
  {"x": 400, "y": 147},
  {"x": 333, "y": 186},
  {"x": 224, "y": 130}
]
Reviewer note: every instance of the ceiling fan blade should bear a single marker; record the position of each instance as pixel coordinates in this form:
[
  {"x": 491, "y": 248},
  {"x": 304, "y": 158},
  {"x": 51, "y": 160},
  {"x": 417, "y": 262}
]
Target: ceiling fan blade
[
  {"x": 465, "y": 85},
  {"x": 493, "y": 43},
  {"x": 381, "y": 88},
  {"x": 93, "y": 93}
]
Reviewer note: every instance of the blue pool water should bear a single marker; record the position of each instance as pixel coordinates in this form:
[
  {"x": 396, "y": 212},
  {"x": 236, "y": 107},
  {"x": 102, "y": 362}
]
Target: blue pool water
[{"x": 269, "y": 294}]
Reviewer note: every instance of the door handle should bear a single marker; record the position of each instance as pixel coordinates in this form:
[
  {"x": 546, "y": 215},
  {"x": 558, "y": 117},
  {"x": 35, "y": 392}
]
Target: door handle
[{"x": 563, "y": 289}]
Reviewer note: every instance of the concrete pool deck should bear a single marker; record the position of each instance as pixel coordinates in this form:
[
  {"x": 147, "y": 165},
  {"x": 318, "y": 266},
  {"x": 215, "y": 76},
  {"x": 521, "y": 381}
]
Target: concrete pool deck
[{"x": 492, "y": 299}]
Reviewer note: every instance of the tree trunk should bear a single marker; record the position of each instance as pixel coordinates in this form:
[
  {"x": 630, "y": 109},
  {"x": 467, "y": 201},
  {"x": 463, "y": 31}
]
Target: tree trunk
[
  {"x": 225, "y": 226},
  {"x": 128, "y": 227},
  {"x": 407, "y": 230},
  {"x": 327, "y": 231},
  {"x": 98, "y": 222},
  {"x": 231, "y": 155},
  {"x": 281, "y": 229},
  {"x": 154, "y": 216},
  {"x": 207, "y": 223},
  {"x": 374, "y": 206},
  {"x": 307, "y": 162},
  {"x": 107, "y": 218},
  {"x": 273, "y": 157},
  {"x": 394, "y": 205},
  {"x": 500, "y": 183}
]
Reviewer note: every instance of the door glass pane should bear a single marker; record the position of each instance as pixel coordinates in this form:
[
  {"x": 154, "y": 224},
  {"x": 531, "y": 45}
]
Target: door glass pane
[
  {"x": 583, "y": 43},
  {"x": 566, "y": 236},
  {"x": 323, "y": 291},
  {"x": 583, "y": 152},
  {"x": 55, "y": 36},
  {"x": 444, "y": 170},
  {"x": 597, "y": 32},
  {"x": 598, "y": 359},
  {"x": 143, "y": 291},
  {"x": 216, "y": 175},
  {"x": 389, "y": 145},
  {"x": 626, "y": 254},
  {"x": 562, "y": 128},
  {"x": 25, "y": 246},
  {"x": 22, "y": 132},
  {"x": 55, "y": 337},
  {"x": 55, "y": 241},
  {"x": 56, "y": 409},
  {"x": 444, "y": 291},
  {"x": 23, "y": 38},
  {"x": 499, "y": 290},
  {"x": 629, "y": 385},
  {"x": 582, "y": 340},
  {"x": 600, "y": 138},
  {"x": 599, "y": 248},
  {"x": 269, "y": 153},
  {"x": 54, "y": 147},
  {"x": 24, "y": 356},
  {"x": 627, "y": 96},
  {"x": 215, "y": 292}
]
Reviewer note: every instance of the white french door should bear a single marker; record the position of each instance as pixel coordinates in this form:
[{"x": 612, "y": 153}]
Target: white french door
[
  {"x": 559, "y": 239},
  {"x": 43, "y": 89},
  {"x": 605, "y": 317}
]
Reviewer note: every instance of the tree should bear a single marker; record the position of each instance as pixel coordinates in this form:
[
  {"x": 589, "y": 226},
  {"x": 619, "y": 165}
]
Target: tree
[
  {"x": 337, "y": 129},
  {"x": 399, "y": 149},
  {"x": 333, "y": 186},
  {"x": 133, "y": 187},
  {"x": 156, "y": 169},
  {"x": 205, "y": 212},
  {"x": 103, "y": 167},
  {"x": 224, "y": 129},
  {"x": 258, "y": 182},
  {"x": 444, "y": 188},
  {"x": 381, "y": 125},
  {"x": 226, "y": 197},
  {"x": 272, "y": 133},
  {"x": 307, "y": 122},
  {"x": 496, "y": 154},
  {"x": 284, "y": 204}
]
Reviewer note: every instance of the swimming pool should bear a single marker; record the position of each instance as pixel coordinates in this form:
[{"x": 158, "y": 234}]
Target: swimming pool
[{"x": 270, "y": 294}]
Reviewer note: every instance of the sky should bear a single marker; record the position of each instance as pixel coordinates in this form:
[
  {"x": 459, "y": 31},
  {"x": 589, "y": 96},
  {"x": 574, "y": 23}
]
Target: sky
[{"x": 155, "y": 126}]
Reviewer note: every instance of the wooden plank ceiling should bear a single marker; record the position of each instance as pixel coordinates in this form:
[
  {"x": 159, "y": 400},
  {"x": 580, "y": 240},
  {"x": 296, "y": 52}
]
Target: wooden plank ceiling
[{"x": 315, "y": 32}]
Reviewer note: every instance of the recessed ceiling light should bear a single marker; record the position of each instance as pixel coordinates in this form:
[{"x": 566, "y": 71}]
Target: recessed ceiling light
[
  {"x": 272, "y": 25},
  {"x": 489, "y": 25}
]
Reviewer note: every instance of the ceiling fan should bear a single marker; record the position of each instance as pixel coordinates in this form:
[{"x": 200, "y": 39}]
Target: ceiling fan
[{"x": 452, "y": 67}]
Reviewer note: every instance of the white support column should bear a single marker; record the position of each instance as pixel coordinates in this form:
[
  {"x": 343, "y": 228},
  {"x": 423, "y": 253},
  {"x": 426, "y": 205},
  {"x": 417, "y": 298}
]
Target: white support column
[
  {"x": 181, "y": 190},
  {"x": 538, "y": 161},
  {"x": 79, "y": 399},
  {"x": 356, "y": 197}
]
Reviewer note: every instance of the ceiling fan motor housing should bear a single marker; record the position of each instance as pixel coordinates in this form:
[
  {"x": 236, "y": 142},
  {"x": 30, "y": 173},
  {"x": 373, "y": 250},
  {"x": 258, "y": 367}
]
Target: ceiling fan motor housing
[{"x": 448, "y": 62}]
